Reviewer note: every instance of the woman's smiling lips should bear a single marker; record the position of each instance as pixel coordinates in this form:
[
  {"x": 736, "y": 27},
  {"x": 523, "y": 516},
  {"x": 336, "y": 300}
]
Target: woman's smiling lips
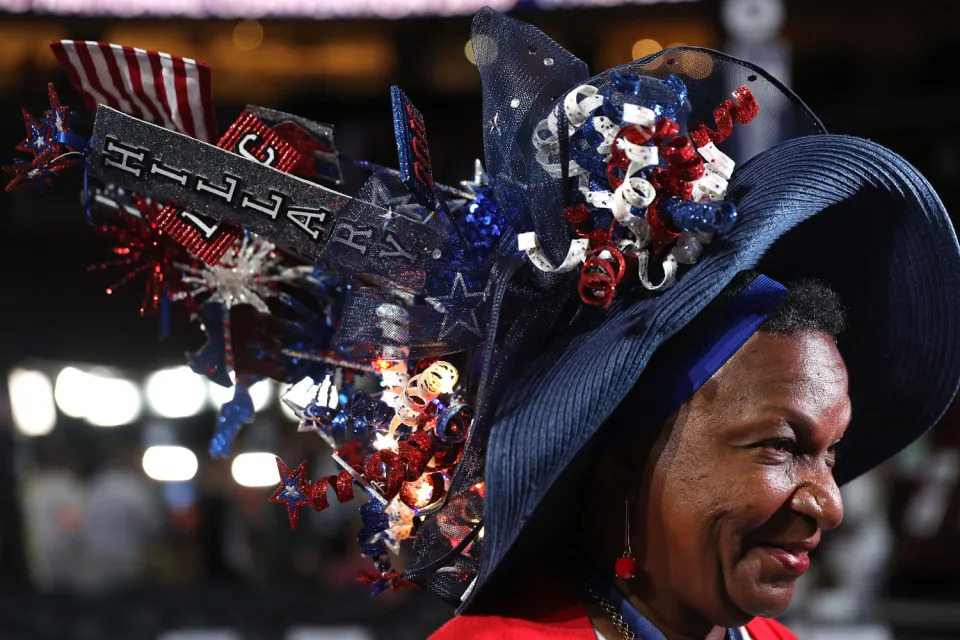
[{"x": 792, "y": 555}]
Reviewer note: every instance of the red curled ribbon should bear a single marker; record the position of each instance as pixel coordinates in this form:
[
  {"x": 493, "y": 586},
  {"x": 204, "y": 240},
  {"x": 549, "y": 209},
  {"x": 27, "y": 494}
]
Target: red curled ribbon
[
  {"x": 342, "y": 484},
  {"x": 409, "y": 496},
  {"x": 619, "y": 162},
  {"x": 600, "y": 275},
  {"x": 743, "y": 111}
]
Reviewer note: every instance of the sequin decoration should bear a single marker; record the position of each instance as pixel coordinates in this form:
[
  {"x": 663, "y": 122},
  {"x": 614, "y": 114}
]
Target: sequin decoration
[{"x": 144, "y": 248}]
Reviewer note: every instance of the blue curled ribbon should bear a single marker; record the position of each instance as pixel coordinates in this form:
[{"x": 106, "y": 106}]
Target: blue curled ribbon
[
  {"x": 453, "y": 423},
  {"x": 664, "y": 97},
  {"x": 700, "y": 217}
]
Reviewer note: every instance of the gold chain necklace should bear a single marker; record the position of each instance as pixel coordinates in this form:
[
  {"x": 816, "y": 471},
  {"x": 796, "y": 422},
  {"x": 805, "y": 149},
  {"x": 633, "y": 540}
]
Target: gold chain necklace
[{"x": 612, "y": 613}]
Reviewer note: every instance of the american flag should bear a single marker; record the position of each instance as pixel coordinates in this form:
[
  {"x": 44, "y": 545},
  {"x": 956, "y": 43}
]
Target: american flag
[{"x": 167, "y": 90}]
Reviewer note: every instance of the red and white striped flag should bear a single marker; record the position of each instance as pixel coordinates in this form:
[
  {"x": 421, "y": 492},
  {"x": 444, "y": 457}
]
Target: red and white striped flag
[{"x": 167, "y": 90}]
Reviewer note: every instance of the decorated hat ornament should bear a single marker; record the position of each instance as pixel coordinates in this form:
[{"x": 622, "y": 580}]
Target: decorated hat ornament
[{"x": 457, "y": 347}]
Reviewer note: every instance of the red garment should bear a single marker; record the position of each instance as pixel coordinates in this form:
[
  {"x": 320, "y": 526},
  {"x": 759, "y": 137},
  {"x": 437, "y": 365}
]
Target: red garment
[{"x": 568, "y": 623}]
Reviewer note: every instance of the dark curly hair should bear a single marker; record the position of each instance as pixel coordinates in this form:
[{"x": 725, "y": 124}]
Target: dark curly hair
[{"x": 809, "y": 305}]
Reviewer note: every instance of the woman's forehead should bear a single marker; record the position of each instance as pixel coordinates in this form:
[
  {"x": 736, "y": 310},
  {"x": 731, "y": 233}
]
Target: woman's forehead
[{"x": 801, "y": 372}]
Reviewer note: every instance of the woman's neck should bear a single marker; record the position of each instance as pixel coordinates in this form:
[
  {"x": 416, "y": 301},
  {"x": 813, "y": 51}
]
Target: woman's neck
[{"x": 674, "y": 627}]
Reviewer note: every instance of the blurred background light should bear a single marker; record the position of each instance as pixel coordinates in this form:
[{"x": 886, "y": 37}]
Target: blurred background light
[
  {"x": 247, "y": 35},
  {"x": 69, "y": 392},
  {"x": 644, "y": 47},
  {"x": 255, "y": 469},
  {"x": 31, "y": 402},
  {"x": 101, "y": 399},
  {"x": 177, "y": 392},
  {"x": 166, "y": 463},
  {"x": 261, "y": 393}
]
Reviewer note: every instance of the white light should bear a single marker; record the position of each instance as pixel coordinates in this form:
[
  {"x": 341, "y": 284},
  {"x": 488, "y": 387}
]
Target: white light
[
  {"x": 260, "y": 392},
  {"x": 218, "y": 394},
  {"x": 169, "y": 463},
  {"x": 257, "y": 469},
  {"x": 176, "y": 393},
  {"x": 70, "y": 392},
  {"x": 31, "y": 402},
  {"x": 102, "y": 400}
]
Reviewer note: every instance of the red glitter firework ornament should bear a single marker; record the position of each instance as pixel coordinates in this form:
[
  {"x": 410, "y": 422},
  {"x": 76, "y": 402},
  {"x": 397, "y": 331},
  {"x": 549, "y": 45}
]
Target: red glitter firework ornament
[{"x": 144, "y": 248}]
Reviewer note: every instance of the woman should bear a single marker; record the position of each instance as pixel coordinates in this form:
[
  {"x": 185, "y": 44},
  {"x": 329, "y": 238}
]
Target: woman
[
  {"x": 724, "y": 500},
  {"x": 731, "y": 407}
]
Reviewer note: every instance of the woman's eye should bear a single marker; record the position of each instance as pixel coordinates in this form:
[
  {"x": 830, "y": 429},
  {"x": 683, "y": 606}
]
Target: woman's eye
[{"x": 780, "y": 445}]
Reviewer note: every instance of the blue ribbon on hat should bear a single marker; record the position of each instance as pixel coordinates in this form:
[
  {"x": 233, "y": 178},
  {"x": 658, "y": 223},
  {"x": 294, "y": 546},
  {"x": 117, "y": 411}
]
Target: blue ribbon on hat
[{"x": 670, "y": 384}]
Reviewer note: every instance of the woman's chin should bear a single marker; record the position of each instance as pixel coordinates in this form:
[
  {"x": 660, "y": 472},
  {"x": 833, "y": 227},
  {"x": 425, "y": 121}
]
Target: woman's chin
[{"x": 763, "y": 600}]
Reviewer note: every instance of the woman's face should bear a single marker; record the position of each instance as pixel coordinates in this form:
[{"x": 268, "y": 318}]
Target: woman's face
[{"x": 739, "y": 487}]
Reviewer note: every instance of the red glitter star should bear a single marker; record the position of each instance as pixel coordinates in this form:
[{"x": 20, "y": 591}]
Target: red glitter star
[{"x": 294, "y": 492}]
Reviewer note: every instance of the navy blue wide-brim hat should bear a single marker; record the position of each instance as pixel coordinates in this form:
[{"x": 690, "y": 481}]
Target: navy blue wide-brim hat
[{"x": 840, "y": 209}]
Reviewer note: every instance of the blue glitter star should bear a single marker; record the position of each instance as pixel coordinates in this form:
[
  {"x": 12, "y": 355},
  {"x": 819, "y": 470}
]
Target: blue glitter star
[
  {"x": 457, "y": 308},
  {"x": 38, "y": 136},
  {"x": 294, "y": 491}
]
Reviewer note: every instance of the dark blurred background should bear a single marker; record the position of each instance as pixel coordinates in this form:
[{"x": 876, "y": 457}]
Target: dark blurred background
[{"x": 93, "y": 547}]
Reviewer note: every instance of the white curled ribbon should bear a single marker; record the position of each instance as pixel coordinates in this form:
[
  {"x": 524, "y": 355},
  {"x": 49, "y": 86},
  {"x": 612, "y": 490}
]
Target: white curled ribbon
[
  {"x": 639, "y": 115},
  {"x": 576, "y": 253},
  {"x": 670, "y": 267},
  {"x": 578, "y": 105},
  {"x": 718, "y": 167},
  {"x": 547, "y": 144},
  {"x": 609, "y": 130},
  {"x": 634, "y": 191},
  {"x": 577, "y": 109},
  {"x": 689, "y": 247}
]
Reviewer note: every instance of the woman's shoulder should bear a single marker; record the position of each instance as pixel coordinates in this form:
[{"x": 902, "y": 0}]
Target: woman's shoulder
[
  {"x": 565, "y": 624},
  {"x": 768, "y": 629}
]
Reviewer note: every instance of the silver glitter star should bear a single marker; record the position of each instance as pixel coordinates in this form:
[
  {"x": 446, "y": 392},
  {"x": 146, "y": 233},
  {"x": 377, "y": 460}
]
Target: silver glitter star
[
  {"x": 495, "y": 123},
  {"x": 479, "y": 179}
]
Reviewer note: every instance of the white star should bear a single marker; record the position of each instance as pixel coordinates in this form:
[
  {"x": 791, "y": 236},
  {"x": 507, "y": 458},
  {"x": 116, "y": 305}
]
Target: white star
[
  {"x": 495, "y": 123},
  {"x": 385, "y": 441}
]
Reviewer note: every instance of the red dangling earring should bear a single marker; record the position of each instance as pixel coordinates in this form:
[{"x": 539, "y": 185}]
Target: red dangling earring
[{"x": 626, "y": 567}]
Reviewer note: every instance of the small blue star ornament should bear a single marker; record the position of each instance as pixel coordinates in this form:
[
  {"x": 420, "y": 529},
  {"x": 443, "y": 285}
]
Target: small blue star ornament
[{"x": 294, "y": 492}]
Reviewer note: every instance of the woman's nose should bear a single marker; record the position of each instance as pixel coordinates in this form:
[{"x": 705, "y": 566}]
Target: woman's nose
[{"x": 819, "y": 498}]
